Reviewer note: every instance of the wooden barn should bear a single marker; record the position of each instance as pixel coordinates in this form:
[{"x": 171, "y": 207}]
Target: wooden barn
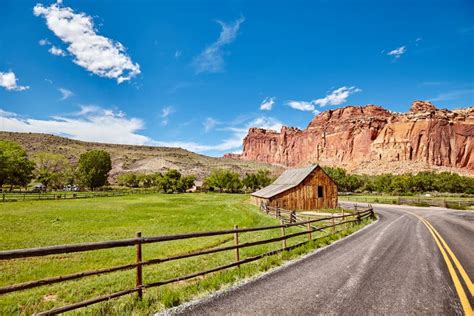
[{"x": 299, "y": 189}]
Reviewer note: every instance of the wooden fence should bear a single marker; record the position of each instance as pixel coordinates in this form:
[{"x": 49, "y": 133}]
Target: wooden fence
[
  {"x": 43, "y": 196},
  {"x": 417, "y": 201},
  {"x": 139, "y": 240}
]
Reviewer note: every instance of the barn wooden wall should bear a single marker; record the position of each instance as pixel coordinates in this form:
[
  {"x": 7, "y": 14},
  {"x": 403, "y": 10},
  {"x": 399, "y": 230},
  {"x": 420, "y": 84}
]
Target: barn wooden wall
[{"x": 305, "y": 195}]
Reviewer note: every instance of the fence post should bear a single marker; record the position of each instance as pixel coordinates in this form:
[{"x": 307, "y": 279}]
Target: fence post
[
  {"x": 138, "y": 282},
  {"x": 283, "y": 242},
  {"x": 372, "y": 213},
  {"x": 293, "y": 217},
  {"x": 236, "y": 243},
  {"x": 343, "y": 219},
  {"x": 310, "y": 229},
  {"x": 333, "y": 223},
  {"x": 3, "y": 194}
]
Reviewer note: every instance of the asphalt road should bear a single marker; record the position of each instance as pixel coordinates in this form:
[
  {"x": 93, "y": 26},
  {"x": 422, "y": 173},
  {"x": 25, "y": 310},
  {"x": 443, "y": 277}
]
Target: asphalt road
[{"x": 392, "y": 267}]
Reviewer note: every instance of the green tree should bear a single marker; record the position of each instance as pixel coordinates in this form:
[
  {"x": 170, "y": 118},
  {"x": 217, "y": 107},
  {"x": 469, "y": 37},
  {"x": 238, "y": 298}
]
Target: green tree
[
  {"x": 400, "y": 184},
  {"x": 224, "y": 180},
  {"x": 15, "y": 167},
  {"x": 93, "y": 168},
  {"x": 257, "y": 180},
  {"x": 129, "y": 179},
  {"x": 146, "y": 180},
  {"x": 345, "y": 182},
  {"x": 173, "y": 182},
  {"x": 52, "y": 170},
  {"x": 382, "y": 183}
]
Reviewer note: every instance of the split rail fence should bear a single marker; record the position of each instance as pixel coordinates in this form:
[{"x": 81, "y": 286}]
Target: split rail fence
[{"x": 139, "y": 240}]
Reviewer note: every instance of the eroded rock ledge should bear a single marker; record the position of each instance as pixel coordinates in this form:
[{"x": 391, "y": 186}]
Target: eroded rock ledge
[{"x": 371, "y": 139}]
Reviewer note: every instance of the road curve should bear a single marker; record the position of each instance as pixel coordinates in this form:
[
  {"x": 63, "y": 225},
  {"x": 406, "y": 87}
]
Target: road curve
[{"x": 392, "y": 267}]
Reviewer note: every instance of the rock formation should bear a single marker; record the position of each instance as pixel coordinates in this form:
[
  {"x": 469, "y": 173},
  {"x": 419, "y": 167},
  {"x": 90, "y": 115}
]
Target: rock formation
[{"x": 370, "y": 139}]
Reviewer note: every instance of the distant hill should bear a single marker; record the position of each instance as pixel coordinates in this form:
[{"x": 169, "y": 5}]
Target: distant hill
[{"x": 126, "y": 158}]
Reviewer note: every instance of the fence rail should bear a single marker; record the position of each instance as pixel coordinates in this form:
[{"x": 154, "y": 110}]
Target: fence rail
[
  {"x": 422, "y": 201},
  {"x": 138, "y": 241},
  {"x": 43, "y": 196}
]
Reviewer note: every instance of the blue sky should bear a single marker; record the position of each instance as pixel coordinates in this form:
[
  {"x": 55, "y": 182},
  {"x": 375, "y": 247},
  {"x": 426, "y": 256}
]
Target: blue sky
[{"x": 198, "y": 74}]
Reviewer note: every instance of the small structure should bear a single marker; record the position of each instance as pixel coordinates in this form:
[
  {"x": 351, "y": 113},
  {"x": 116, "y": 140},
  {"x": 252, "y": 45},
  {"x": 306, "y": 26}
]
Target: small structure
[{"x": 299, "y": 189}]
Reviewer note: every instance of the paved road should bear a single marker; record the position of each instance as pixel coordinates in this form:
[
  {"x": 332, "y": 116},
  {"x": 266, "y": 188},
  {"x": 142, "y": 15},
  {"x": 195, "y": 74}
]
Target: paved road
[{"x": 392, "y": 267}]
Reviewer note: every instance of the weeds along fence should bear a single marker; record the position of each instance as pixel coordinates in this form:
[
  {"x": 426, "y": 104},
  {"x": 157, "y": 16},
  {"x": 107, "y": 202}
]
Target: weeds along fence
[
  {"x": 44, "y": 196},
  {"x": 416, "y": 201},
  {"x": 333, "y": 222}
]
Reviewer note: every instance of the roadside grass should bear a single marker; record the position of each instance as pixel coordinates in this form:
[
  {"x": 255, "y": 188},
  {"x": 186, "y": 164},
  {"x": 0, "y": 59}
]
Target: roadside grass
[{"x": 42, "y": 223}]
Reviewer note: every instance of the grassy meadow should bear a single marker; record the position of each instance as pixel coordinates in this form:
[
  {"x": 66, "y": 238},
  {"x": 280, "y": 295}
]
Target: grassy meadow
[{"x": 42, "y": 223}]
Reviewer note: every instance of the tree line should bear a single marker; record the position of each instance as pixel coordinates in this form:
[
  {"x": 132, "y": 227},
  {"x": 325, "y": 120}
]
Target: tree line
[
  {"x": 220, "y": 180},
  {"x": 172, "y": 181},
  {"x": 404, "y": 184},
  {"x": 53, "y": 171},
  {"x": 225, "y": 180}
]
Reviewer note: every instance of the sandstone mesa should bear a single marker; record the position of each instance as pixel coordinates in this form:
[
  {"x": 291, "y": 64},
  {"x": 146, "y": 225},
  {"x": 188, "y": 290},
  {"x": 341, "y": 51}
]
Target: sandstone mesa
[{"x": 370, "y": 139}]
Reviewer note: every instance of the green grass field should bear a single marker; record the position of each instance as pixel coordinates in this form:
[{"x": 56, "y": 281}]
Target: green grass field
[{"x": 42, "y": 223}]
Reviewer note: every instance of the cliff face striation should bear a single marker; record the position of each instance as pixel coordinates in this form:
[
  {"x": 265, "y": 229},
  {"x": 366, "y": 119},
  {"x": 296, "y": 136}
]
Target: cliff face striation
[{"x": 370, "y": 139}]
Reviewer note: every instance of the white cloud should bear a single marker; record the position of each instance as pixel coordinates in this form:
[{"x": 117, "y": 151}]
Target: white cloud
[
  {"x": 165, "y": 113},
  {"x": 233, "y": 142},
  {"x": 8, "y": 80},
  {"x": 397, "y": 52},
  {"x": 96, "y": 53},
  {"x": 337, "y": 96},
  {"x": 44, "y": 42},
  {"x": 267, "y": 104},
  {"x": 301, "y": 105},
  {"x": 209, "y": 124},
  {"x": 56, "y": 51},
  {"x": 211, "y": 59},
  {"x": 6, "y": 114},
  {"x": 95, "y": 124},
  {"x": 65, "y": 93}
]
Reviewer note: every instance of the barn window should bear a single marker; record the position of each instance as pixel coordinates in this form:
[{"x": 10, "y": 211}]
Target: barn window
[{"x": 320, "y": 191}]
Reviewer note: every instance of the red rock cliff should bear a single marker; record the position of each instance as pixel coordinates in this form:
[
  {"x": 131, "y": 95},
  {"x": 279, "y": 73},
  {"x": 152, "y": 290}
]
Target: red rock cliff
[{"x": 371, "y": 139}]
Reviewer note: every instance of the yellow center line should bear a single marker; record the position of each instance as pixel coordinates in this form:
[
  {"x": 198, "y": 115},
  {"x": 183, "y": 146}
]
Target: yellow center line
[
  {"x": 458, "y": 265},
  {"x": 457, "y": 283}
]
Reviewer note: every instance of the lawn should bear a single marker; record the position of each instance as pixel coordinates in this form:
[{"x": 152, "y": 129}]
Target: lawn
[{"x": 42, "y": 223}]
